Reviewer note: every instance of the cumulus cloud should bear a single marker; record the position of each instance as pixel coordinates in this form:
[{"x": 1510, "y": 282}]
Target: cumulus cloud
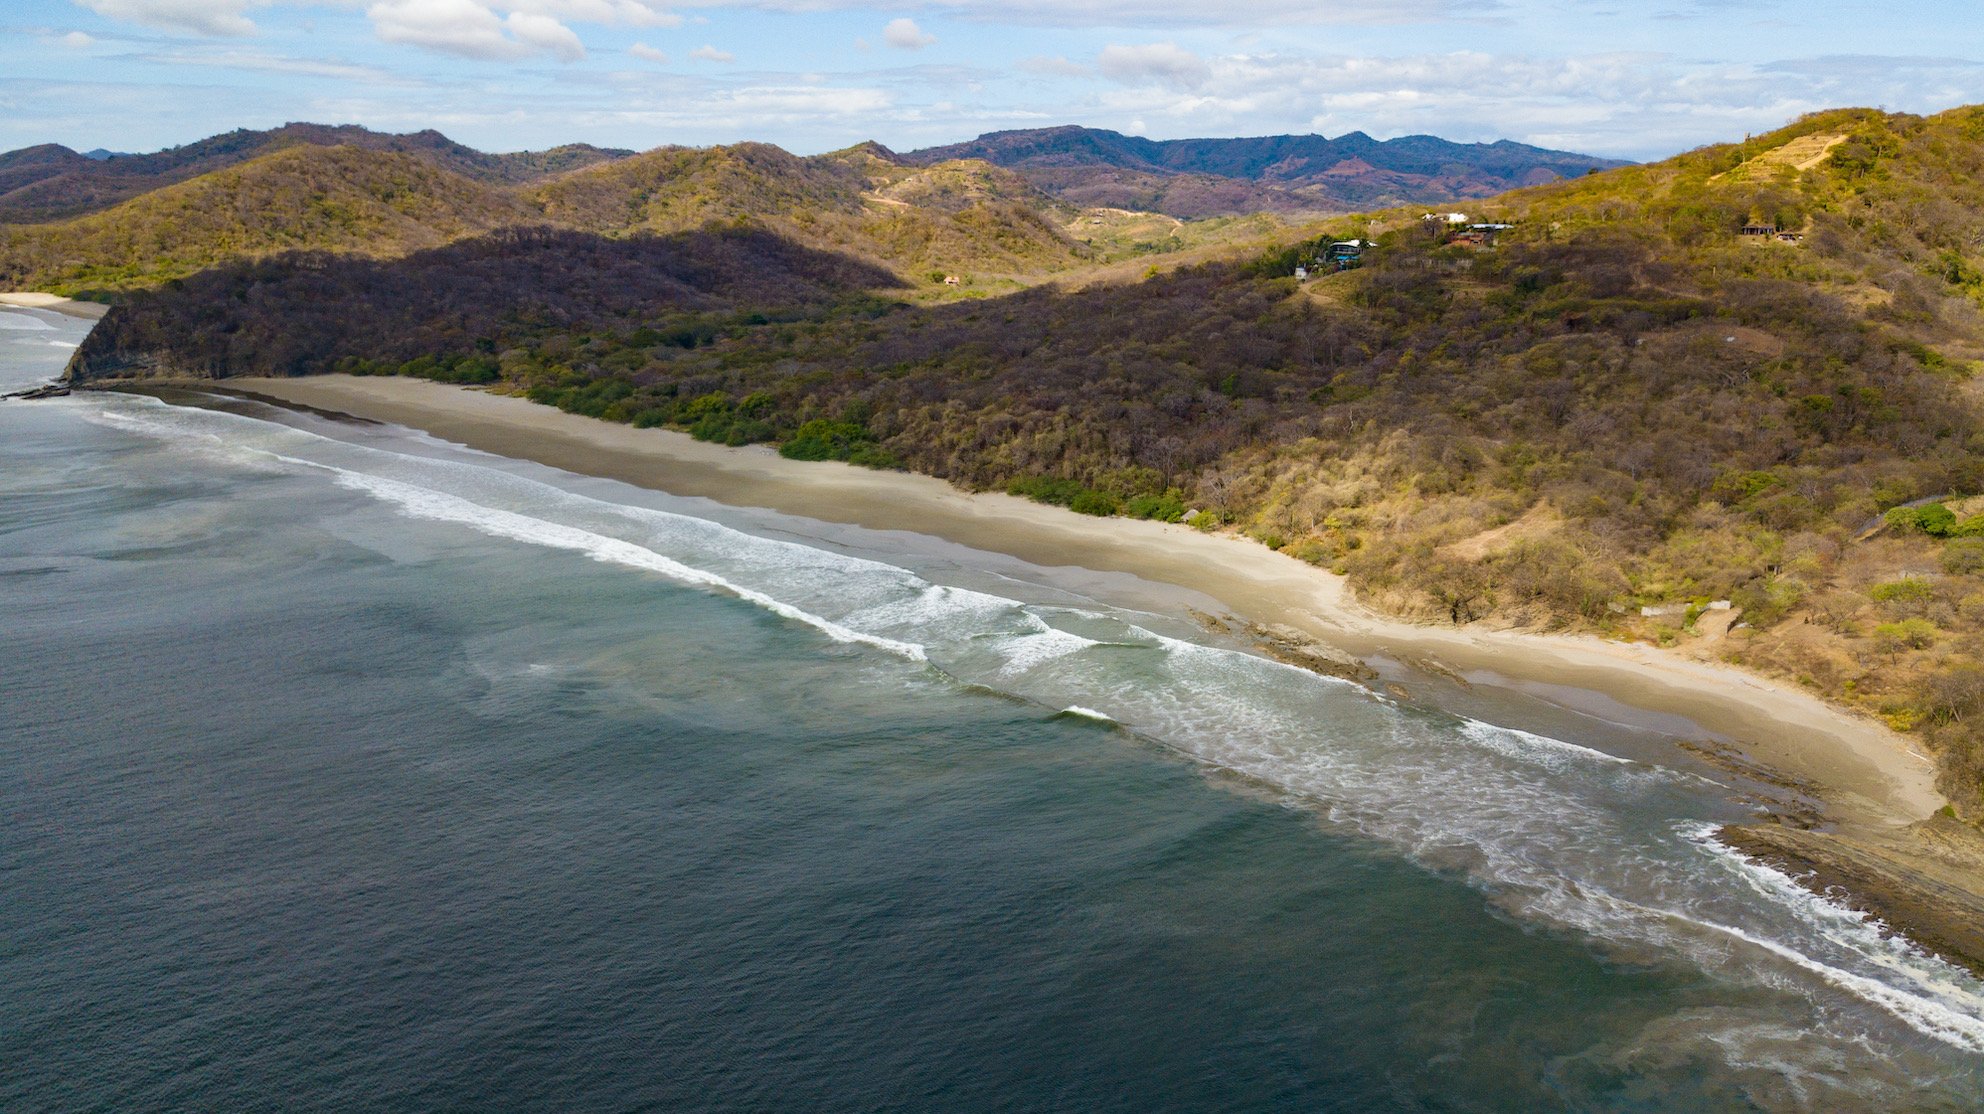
[
  {"x": 77, "y": 40},
  {"x": 708, "y": 53},
  {"x": 202, "y": 17},
  {"x": 904, "y": 34},
  {"x": 546, "y": 34},
  {"x": 647, "y": 53},
  {"x": 1633, "y": 104},
  {"x": 488, "y": 29},
  {"x": 1165, "y": 64},
  {"x": 632, "y": 13},
  {"x": 459, "y": 27},
  {"x": 499, "y": 30}
]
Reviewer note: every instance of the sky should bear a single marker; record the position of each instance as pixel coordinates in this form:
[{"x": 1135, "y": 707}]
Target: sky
[{"x": 1607, "y": 77}]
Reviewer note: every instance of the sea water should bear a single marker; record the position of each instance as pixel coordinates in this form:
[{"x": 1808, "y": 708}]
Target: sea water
[{"x": 346, "y": 769}]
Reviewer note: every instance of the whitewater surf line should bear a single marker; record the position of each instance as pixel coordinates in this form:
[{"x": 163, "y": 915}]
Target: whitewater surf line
[{"x": 1552, "y": 830}]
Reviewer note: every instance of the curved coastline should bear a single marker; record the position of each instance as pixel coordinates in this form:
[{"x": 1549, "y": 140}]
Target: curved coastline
[{"x": 1874, "y": 785}]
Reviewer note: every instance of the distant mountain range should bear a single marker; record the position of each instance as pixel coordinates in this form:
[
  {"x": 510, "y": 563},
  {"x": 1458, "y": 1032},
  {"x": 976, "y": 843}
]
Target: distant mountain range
[
  {"x": 1278, "y": 173},
  {"x": 50, "y": 182},
  {"x": 1084, "y": 167},
  {"x": 1008, "y": 207}
]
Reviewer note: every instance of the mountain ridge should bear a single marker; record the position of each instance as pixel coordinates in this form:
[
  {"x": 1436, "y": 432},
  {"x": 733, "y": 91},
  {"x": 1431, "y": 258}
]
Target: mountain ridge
[
  {"x": 1291, "y": 173},
  {"x": 1625, "y": 404},
  {"x": 51, "y": 182}
]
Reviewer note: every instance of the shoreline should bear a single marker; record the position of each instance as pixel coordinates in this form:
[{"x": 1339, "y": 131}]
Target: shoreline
[
  {"x": 56, "y": 303},
  {"x": 1867, "y": 775},
  {"x": 1847, "y": 807}
]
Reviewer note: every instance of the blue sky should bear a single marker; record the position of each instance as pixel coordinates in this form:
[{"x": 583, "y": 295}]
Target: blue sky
[{"x": 1614, "y": 78}]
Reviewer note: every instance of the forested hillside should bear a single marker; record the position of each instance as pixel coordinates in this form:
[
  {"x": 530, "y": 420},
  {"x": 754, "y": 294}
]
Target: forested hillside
[
  {"x": 969, "y": 216},
  {"x": 1610, "y": 412},
  {"x": 1194, "y": 178},
  {"x": 50, "y": 182},
  {"x": 955, "y": 229},
  {"x": 341, "y": 199}
]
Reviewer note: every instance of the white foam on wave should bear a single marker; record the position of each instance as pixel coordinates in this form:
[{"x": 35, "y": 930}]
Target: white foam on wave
[
  {"x": 24, "y": 322},
  {"x": 1929, "y": 995},
  {"x": 1548, "y": 827},
  {"x": 1528, "y": 746},
  {"x": 1088, "y": 713},
  {"x": 1038, "y": 645},
  {"x": 421, "y": 502}
]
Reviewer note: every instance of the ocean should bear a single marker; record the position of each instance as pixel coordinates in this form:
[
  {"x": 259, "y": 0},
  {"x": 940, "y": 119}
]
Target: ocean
[{"x": 347, "y": 769}]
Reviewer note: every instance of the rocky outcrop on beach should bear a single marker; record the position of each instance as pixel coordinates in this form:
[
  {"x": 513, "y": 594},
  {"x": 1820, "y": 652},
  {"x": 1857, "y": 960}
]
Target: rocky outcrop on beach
[{"x": 1919, "y": 881}]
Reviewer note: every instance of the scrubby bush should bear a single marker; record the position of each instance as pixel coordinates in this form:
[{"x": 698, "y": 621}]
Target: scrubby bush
[
  {"x": 1907, "y": 595},
  {"x": 1933, "y": 519},
  {"x": 1964, "y": 556},
  {"x": 822, "y": 439},
  {"x": 1167, "y": 507},
  {"x": 1913, "y": 634}
]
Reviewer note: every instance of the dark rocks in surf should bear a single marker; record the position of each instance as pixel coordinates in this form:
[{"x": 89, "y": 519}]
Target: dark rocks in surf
[{"x": 1912, "y": 881}]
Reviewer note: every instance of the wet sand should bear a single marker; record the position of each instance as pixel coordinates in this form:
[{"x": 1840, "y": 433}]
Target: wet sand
[
  {"x": 1867, "y": 775},
  {"x": 92, "y": 311}
]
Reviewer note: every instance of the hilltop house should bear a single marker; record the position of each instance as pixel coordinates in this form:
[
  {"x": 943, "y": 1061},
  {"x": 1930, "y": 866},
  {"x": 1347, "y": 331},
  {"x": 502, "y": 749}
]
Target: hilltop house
[{"x": 1345, "y": 254}]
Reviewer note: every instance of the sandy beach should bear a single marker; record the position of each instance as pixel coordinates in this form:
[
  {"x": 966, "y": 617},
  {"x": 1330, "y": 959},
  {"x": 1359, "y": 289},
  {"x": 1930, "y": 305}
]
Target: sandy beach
[
  {"x": 91, "y": 311},
  {"x": 1868, "y": 775}
]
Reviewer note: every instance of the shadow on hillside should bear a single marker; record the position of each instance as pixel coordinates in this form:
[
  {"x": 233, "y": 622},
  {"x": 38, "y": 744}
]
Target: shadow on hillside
[{"x": 300, "y": 313}]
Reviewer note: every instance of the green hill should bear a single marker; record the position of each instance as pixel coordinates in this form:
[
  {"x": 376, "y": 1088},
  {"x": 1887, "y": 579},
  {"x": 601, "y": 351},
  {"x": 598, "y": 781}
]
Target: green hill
[
  {"x": 304, "y": 197},
  {"x": 49, "y": 182},
  {"x": 1196, "y": 178},
  {"x": 956, "y": 217},
  {"x": 1608, "y": 416}
]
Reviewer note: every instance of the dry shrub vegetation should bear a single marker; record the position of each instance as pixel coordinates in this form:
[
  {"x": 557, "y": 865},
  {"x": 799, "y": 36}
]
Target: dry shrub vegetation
[{"x": 1646, "y": 409}]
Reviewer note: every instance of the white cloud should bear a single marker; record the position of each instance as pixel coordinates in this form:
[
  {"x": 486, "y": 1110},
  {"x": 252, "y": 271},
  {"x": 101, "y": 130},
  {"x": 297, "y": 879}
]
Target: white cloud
[
  {"x": 904, "y": 34},
  {"x": 496, "y": 30},
  {"x": 1165, "y": 64},
  {"x": 460, "y": 27},
  {"x": 488, "y": 29},
  {"x": 77, "y": 40},
  {"x": 546, "y": 34},
  {"x": 1158, "y": 13},
  {"x": 264, "y": 62},
  {"x": 631, "y": 13},
  {"x": 1635, "y": 105},
  {"x": 647, "y": 53},
  {"x": 708, "y": 53},
  {"x": 1055, "y": 66},
  {"x": 203, "y": 17}
]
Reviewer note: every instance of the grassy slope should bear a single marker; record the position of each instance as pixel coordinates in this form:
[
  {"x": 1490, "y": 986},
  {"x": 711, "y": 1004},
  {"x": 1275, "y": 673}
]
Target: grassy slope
[
  {"x": 955, "y": 217},
  {"x": 304, "y": 197},
  {"x": 1623, "y": 405},
  {"x": 969, "y": 219},
  {"x": 1731, "y": 415},
  {"x": 47, "y": 184}
]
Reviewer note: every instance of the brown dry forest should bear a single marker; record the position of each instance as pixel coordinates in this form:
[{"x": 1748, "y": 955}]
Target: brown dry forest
[{"x": 1618, "y": 403}]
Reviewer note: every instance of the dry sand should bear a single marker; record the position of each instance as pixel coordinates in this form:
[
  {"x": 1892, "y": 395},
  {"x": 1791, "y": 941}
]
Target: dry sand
[
  {"x": 93, "y": 311},
  {"x": 1867, "y": 774}
]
